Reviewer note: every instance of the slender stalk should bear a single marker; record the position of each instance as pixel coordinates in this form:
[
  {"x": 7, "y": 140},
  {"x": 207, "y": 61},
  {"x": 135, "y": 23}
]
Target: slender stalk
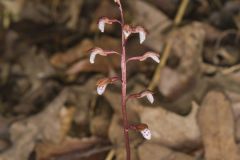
[{"x": 124, "y": 83}]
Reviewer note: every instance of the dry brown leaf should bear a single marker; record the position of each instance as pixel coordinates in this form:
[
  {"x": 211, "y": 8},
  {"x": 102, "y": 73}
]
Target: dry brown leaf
[
  {"x": 101, "y": 118},
  {"x": 46, "y": 151},
  {"x": 187, "y": 47},
  {"x": 102, "y": 64},
  {"x": 171, "y": 129},
  {"x": 153, "y": 20},
  {"x": 60, "y": 60},
  {"x": 45, "y": 126},
  {"x": 167, "y": 128},
  {"x": 151, "y": 151},
  {"x": 121, "y": 153},
  {"x": 216, "y": 123},
  {"x": 75, "y": 7}
]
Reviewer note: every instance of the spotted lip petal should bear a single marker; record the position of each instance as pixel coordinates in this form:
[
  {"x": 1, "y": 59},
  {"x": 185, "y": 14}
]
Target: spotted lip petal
[
  {"x": 146, "y": 133},
  {"x": 101, "y": 89}
]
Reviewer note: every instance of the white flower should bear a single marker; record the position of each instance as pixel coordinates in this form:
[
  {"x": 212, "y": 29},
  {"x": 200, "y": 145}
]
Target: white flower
[
  {"x": 148, "y": 94},
  {"x": 92, "y": 57},
  {"x": 101, "y": 25},
  {"x": 146, "y": 133},
  {"x": 152, "y": 55},
  {"x": 94, "y": 52},
  {"x": 150, "y": 98},
  {"x": 101, "y": 89},
  {"x": 102, "y": 84},
  {"x": 142, "y": 33},
  {"x": 142, "y": 94},
  {"x": 142, "y": 36}
]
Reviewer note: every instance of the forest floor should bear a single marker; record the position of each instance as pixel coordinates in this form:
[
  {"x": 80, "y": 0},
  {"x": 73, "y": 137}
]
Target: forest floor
[{"x": 49, "y": 106}]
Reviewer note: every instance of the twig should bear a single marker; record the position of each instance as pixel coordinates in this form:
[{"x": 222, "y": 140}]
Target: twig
[
  {"x": 231, "y": 69},
  {"x": 110, "y": 155},
  {"x": 181, "y": 12}
]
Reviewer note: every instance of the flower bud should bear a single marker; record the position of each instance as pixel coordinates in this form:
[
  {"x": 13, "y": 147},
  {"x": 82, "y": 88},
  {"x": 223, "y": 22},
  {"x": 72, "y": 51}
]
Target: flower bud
[
  {"x": 94, "y": 52},
  {"x": 152, "y": 55},
  {"x": 144, "y": 130},
  {"x": 102, "y": 21},
  {"x": 142, "y": 33},
  {"x": 102, "y": 84},
  {"x": 142, "y": 94}
]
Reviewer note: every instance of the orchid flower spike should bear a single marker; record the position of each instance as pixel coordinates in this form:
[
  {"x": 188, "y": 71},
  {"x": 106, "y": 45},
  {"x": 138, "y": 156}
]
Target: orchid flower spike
[
  {"x": 94, "y": 52},
  {"x": 142, "y": 33},
  {"x": 102, "y": 84},
  {"x": 152, "y": 55},
  {"x": 142, "y": 94},
  {"x": 144, "y": 130},
  {"x": 102, "y": 21}
]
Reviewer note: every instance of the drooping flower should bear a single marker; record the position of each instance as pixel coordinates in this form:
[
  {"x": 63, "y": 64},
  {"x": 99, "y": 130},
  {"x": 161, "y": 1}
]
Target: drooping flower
[
  {"x": 99, "y": 51},
  {"x": 101, "y": 25},
  {"x": 101, "y": 89},
  {"x": 127, "y": 30},
  {"x": 146, "y": 133},
  {"x": 142, "y": 33},
  {"x": 142, "y": 94},
  {"x": 95, "y": 51},
  {"x": 151, "y": 55},
  {"x": 103, "y": 83},
  {"x": 144, "y": 130},
  {"x": 102, "y": 21}
]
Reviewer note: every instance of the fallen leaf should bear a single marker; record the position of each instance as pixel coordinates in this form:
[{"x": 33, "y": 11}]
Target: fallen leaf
[
  {"x": 46, "y": 126},
  {"x": 216, "y": 122},
  {"x": 60, "y": 60},
  {"x": 153, "y": 20},
  {"x": 72, "y": 148},
  {"x": 153, "y": 151}
]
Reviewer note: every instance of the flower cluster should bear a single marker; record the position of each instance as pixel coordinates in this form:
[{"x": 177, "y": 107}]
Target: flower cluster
[{"x": 102, "y": 84}]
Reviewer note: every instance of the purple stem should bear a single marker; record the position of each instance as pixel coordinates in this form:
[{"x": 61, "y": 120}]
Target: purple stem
[{"x": 124, "y": 83}]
